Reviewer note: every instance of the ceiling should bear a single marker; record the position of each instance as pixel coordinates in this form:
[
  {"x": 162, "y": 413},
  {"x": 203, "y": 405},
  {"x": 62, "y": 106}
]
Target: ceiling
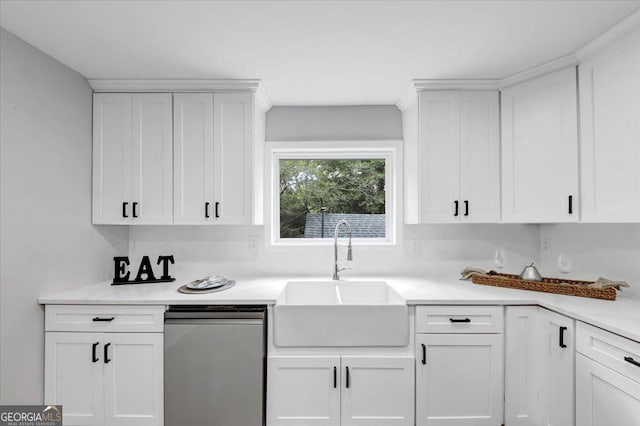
[{"x": 310, "y": 52}]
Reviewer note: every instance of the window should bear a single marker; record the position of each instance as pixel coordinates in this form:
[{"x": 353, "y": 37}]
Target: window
[{"x": 314, "y": 187}]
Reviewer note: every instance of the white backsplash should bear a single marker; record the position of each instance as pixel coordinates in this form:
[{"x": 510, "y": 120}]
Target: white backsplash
[
  {"x": 200, "y": 250},
  {"x": 608, "y": 250}
]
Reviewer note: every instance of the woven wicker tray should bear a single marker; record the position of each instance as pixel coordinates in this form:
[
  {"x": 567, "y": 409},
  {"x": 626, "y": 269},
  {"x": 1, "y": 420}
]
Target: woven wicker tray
[{"x": 547, "y": 285}]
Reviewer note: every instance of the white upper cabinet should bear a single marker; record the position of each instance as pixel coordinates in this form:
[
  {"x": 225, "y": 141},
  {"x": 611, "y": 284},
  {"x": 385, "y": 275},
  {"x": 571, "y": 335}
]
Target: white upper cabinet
[
  {"x": 152, "y": 159},
  {"x": 458, "y": 157},
  {"x": 112, "y": 134},
  {"x": 540, "y": 150},
  {"x": 610, "y": 133},
  {"x": 233, "y": 158},
  {"x": 213, "y": 158},
  {"x": 183, "y": 158},
  {"x": 479, "y": 157},
  {"x": 193, "y": 158},
  {"x": 439, "y": 147},
  {"x": 132, "y": 158}
]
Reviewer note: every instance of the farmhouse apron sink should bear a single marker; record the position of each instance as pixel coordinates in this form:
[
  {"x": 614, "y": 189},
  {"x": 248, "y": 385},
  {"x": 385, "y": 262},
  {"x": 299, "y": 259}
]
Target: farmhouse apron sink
[{"x": 340, "y": 314}]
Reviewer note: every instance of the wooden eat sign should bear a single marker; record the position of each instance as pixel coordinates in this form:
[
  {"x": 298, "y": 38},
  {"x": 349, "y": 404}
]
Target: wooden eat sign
[{"x": 121, "y": 274}]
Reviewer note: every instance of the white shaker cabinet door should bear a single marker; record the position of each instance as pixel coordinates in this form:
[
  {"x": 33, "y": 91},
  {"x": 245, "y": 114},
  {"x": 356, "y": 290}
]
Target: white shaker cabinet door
[
  {"x": 523, "y": 364},
  {"x": 540, "y": 150},
  {"x": 439, "y": 141},
  {"x": 152, "y": 158},
  {"x": 112, "y": 136},
  {"x": 459, "y": 379},
  {"x": 73, "y": 376},
  {"x": 605, "y": 397},
  {"x": 557, "y": 372},
  {"x": 133, "y": 379},
  {"x": 233, "y": 160},
  {"x": 610, "y": 133},
  {"x": 377, "y": 391},
  {"x": 303, "y": 390},
  {"x": 193, "y": 158},
  {"x": 479, "y": 157}
]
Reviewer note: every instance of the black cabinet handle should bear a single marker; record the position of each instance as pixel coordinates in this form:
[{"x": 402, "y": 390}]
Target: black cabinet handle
[
  {"x": 99, "y": 319},
  {"x": 348, "y": 378},
  {"x": 106, "y": 353},
  {"x": 570, "y": 204},
  {"x": 632, "y": 361},
  {"x": 459, "y": 320},
  {"x": 94, "y": 358},
  {"x": 335, "y": 377},
  {"x": 217, "y": 212},
  {"x": 466, "y": 207},
  {"x": 124, "y": 209},
  {"x": 561, "y": 337},
  {"x": 206, "y": 209},
  {"x": 456, "y": 208},
  {"x": 135, "y": 213},
  {"x": 424, "y": 354}
]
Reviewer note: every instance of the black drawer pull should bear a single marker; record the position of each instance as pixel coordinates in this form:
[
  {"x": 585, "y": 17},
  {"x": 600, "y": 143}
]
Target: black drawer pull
[
  {"x": 424, "y": 354},
  {"x": 561, "y": 337},
  {"x": 106, "y": 353},
  {"x": 94, "y": 358},
  {"x": 217, "y": 209},
  {"x": 99, "y": 319},
  {"x": 335, "y": 377},
  {"x": 570, "y": 204},
  {"x": 124, "y": 209},
  {"x": 206, "y": 209},
  {"x": 348, "y": 378},
  {"x": 455, "y": 203},
  {"x": 466, "y": 207},
  {"x": 632, "y": 361},
  {"x": 459, "y": 320},
  {"x": 135, "y": 213}
]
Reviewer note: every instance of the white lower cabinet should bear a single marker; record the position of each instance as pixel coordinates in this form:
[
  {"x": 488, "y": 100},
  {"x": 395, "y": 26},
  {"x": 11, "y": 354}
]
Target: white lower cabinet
[
  {"x": 334, "y": 390},
  {"x": 539, "y": 365},
  {"x": 105, "y": 378},
  {"x": 605, "y": 397},
  {"x": 459, "y": 379},
  {"x": 304, "y": 390},
  {"x": 377, "y": 391},
  {"x": 607, "y": 378}
]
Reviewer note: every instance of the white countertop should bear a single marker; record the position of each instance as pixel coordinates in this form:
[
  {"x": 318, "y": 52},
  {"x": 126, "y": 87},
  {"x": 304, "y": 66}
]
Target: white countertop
[{"x": 621, "y": 316}]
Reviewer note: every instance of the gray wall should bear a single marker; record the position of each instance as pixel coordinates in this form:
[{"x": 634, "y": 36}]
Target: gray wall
[
  {"x": 47, "y": 242},
  {"x": 334, "y": 123}
]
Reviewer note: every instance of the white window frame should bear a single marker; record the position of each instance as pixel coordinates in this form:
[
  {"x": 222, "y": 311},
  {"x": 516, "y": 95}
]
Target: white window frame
[{"x": 390, "y": 151}]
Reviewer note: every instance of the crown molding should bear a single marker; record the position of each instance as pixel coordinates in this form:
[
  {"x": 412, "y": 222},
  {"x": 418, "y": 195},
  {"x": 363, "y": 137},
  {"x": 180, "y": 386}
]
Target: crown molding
[
  {"x": 418, "y": 85},
  {"x": 538, "y": 70},
  {"x": 409, "y": 95},
  {"x": 263, "y": 101},
  {"x": 473, "y": 84},
  {"x": 173, "y": 85},
  {"x": 628, "y": 24}
]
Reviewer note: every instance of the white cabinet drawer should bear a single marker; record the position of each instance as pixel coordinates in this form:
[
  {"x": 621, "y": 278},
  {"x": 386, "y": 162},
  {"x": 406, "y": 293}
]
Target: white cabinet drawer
[
  {"x": 104, "y": 318},
  {"x": 459, "y": 319},
  {"x": 611, "y": 350}
]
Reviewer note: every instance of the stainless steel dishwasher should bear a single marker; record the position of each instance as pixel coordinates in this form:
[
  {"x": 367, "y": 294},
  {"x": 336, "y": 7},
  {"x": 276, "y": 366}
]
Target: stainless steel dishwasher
[{"x": 214, "y": 365}]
